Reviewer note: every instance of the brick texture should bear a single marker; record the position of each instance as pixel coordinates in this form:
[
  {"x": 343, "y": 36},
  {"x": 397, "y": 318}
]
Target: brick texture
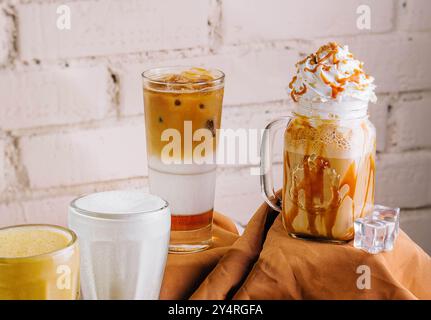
[
  {"x": 4, "y": 38},
  {"x": 53, "y": 96},
  {"x": 111, "y": 27},
  {"x": 11, "y": 214},
  {"x": 404, "y": 179},
  {"x": 85, "y": 156},
  {"x": 410, "y": 122},
  {"x": 260, "y": 20},
  {"x": 414, "y": 15},
  {"x": 2, "y": 166}
]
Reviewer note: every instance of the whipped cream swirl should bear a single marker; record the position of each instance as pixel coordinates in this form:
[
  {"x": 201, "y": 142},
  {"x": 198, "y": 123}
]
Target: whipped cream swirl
[{"x": 331, "y": 74}]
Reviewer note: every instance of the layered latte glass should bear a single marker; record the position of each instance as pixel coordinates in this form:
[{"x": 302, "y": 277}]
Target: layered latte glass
[{"x": 183, "y": 108}]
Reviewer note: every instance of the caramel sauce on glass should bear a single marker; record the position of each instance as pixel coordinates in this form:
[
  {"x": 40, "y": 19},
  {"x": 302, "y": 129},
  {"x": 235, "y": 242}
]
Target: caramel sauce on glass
[{"x": 327, "y": 185}]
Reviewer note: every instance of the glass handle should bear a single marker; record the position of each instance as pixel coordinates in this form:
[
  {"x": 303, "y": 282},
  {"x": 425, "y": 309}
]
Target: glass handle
[{"x": 266, "y": 176}]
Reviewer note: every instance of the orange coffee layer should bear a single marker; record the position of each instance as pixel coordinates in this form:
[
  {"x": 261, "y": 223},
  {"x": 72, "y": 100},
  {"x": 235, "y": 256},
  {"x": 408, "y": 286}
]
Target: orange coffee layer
[
  {"x": 170, "y": 110},
  {"x": 191, "y": 222}
]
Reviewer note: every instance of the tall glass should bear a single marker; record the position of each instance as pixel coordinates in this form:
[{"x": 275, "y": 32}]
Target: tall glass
[
  {"x": 38, "y": 262},
  {"x": 124, "y": 237},
  {"x": 183, "y": 108}
]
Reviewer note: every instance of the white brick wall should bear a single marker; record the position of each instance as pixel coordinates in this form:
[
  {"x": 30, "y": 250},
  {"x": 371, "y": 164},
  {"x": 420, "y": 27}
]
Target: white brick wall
[
  {"x": 85, "y": 156},
  {"x": 52, "y": 210},
  {"x": 111, "y": 27},
  {"x": 2, "y": 165},
  {"x": 404, "y": 179},
  {"x": 415, "y": 15},
  {"x": 4, "y": 38},
  {"x": 71, "y": 101},
  {"x": 260, "y": 20},
  {"x": 410, "y": 122},
  {"x": 11, "y": 214},
  {"x": 53, "y": 96}
]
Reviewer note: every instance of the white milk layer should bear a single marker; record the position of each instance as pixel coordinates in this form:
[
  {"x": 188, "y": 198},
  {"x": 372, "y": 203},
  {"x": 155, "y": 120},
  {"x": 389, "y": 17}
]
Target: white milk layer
[
  {"x": 187, "y": 194},
  {"x": 123, "y": 244},
  {"x": 188, "y": 188}
]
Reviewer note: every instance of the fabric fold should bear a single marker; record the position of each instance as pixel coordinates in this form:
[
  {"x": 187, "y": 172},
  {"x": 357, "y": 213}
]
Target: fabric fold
[{"x": 266, "y": 263}]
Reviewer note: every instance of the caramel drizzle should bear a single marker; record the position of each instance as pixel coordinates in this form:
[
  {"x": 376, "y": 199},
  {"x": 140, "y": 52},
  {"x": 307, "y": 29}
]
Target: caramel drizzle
[
  {"x": 332, "y": 49},
  {"x": 312, "y": 185},
  {"x": 370, "y": 178},
  {"x": 295, "y": 93}
]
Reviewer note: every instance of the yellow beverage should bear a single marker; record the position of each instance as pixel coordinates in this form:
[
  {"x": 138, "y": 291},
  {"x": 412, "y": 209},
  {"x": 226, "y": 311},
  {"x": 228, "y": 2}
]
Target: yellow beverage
[{"x": 38, "y": 262}]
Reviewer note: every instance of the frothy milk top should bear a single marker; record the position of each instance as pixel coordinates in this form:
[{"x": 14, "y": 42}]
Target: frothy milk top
[
  {"x": 28, "y": 241},
  {"x": 331, "y": 74},
  {"x": 120, "y": 202}
]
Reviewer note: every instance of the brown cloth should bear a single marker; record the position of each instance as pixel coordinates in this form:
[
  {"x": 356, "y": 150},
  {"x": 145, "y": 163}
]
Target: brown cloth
[
  {"x": 266, "y": 263},
  {"x": 184, "y": 272}
]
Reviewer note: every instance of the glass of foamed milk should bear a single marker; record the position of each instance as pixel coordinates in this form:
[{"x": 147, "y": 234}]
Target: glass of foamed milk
[
  {"x": 38, "y": 262},
  {"x": 183, "y": 109},
  {"x": 329, "y": 148},
  {"x": 124, "y": 237}
]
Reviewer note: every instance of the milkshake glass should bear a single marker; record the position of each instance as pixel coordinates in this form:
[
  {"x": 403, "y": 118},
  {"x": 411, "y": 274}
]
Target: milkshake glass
[{"x": 329, "y": 148}]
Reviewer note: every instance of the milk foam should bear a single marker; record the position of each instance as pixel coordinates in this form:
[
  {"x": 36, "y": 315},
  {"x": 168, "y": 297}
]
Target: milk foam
[{"x": 120, "y": 202}]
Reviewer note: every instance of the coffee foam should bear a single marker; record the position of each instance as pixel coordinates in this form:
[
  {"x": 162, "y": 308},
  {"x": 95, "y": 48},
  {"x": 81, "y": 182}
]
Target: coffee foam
[
  {"x": 120, "y": 202},
  {"x": 337, "y": 140}
]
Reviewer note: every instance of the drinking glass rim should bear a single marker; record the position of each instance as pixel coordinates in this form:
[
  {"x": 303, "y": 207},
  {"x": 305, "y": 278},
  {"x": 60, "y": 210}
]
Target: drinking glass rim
[
  {"x": 73, "y": 241},
  {"x": 172, "y": 83},
  {"x": 115, "y": 216}
]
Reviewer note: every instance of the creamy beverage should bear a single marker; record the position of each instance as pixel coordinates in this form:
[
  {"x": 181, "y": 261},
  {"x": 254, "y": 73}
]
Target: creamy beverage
[
  {"x": 182, "y": 113},
  {"x": 38, "y": 262},
  {"x": 124, "y": 238},
  {"x": 329, "y": 187},
  {"x": 329, "y": 147}
]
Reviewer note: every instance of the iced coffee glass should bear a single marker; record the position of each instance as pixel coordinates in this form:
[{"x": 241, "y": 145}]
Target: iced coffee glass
[
  {"x": 38, "y": 262},
  {"x": 329, "y": 169},
  {"x": 183, "y": 108}
]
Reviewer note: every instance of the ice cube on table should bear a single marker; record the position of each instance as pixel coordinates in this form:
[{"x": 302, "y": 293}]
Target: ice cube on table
[
  {"x": 369, "y": 230},
  {"x": 388, "y": 214},
  {"x": 370, "y": 234}
]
